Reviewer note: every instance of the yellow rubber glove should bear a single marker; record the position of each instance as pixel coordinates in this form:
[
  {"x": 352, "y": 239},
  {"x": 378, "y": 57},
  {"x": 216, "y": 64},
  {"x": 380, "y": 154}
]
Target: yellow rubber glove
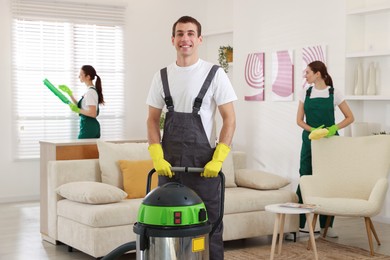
[
  {"x": 161, "y": 166},
  {"x": 66, "y": 89},
  {"x": 315, "y": 128},
  {"x": 74, "y": 108},
  {"x": 214, "y": 166},
  {"x": 318, "y": 132}
]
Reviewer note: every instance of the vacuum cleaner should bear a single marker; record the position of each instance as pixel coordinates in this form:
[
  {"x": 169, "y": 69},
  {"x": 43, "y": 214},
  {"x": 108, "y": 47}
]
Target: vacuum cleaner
[{"x": 172, "y": 223}]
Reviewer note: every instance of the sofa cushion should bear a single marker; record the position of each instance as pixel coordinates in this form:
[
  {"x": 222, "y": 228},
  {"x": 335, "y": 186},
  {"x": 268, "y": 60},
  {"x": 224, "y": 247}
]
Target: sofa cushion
[
  {"x": 111, "y": 153},
  {"x": 91, "y": 192},
  {"x": 228, "y": 171},
  {"x": 135, "y": 175},
  {"x": 103, "y": 215},
  {"x": 239, "y": 200},
  {"x": 259, "y": 180}
]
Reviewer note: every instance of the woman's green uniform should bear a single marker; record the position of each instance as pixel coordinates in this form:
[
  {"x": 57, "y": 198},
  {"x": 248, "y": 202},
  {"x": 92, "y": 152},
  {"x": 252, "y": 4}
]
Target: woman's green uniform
[
  {"x": 89, "y": 126},
  {"x": 318, "y": 111}
]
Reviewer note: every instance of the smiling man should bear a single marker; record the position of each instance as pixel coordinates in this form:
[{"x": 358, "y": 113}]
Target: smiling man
[{"x": 192, "y": 89}]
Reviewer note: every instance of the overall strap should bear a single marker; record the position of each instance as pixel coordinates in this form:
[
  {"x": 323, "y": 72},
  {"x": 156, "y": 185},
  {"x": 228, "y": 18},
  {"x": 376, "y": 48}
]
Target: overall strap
[
  {"x": 308, "y": 91},
  {"x": 206, "y": 84},
  {"x": 331, "y": 90},
  {"x": 167, "y": 93}
]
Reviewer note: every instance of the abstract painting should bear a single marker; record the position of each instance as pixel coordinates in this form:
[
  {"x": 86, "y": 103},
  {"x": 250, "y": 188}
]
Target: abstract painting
[
  {"x": 282, "y": 76},
  {"x": 310, "y": 54},
  {"x": 254, "y": 76}
]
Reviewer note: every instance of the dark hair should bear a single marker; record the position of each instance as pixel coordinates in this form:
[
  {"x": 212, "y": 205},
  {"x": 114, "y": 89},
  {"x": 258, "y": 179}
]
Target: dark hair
[
  {"x": 91, "y": 72},
  {"x": 319, "y": 66},
  {"x": 187, "y": 19}
]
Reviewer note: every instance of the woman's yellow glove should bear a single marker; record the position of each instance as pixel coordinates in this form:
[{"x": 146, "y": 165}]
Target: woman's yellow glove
[
  {"x": 161, "y": 166},
  {"x": 214, "y": 166},
  {"x": 318, "y": 133}
]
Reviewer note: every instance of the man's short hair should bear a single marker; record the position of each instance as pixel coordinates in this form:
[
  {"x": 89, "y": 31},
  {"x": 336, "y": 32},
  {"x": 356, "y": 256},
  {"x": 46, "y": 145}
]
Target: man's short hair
[{"x": 187, "y": 19}]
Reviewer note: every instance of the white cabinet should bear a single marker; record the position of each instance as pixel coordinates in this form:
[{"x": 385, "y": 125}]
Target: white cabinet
[{"x": 368, "y": 42}]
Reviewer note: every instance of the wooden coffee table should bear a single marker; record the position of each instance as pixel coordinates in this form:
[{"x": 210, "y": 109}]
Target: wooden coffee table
[{"x": 281, "y": 212}]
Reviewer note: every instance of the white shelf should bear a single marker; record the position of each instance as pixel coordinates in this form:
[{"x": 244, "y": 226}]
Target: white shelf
[
  {"x": 367, "y": 98},
  {"x": 369, "y": 10},
  {"x": 365, "y": 54},
  {"x": 368, "y": 42}
]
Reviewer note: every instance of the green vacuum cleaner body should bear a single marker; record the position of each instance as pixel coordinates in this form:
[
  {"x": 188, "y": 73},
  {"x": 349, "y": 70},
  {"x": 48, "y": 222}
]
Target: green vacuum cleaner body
[{"x": 172, "y": 224}]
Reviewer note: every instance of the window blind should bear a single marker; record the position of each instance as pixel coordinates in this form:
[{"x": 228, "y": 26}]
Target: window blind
[{"x": 53, "y": 40}]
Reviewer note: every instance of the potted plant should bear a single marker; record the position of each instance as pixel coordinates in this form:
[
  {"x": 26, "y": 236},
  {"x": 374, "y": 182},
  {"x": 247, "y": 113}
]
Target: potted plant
[
  {"x": 162, "y": 121},
  {"x": 225, "y": 55}
]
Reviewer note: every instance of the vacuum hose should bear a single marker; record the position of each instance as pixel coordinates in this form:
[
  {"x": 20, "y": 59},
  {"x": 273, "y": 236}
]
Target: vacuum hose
[{"x": 120, "y": 250}]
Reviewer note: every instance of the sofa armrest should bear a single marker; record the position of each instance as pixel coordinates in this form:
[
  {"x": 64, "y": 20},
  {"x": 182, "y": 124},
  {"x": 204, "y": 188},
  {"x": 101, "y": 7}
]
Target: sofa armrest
[
  {"x": 260, "y": 180},
  {"x": 61, "y": 172}
]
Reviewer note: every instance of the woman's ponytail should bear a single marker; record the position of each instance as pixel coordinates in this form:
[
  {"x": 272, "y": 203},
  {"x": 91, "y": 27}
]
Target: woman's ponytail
[{"x": 99, "y": 89}]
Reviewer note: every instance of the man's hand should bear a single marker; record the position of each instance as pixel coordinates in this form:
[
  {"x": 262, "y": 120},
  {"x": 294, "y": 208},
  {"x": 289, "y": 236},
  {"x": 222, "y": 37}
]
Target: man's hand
[
  {"x": 213, "y": 167},
  {"x": 74, "y": 108},
  {"x": 161, "y": 166}
]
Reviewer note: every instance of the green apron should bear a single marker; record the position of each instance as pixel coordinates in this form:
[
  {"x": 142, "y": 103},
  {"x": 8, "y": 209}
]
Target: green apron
[
  {"x": 318, "y": 111},
  {"x": 89, "y": 126}
]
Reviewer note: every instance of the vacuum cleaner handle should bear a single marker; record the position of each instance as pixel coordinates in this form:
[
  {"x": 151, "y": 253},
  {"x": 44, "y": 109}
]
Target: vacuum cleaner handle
[
  {"x": 197, "y": 170},
  {"x": 187, "y": 169}
]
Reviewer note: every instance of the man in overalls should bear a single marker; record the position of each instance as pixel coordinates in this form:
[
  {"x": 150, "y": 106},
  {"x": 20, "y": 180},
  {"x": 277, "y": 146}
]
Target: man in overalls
[{"x": 191, "y": 89}]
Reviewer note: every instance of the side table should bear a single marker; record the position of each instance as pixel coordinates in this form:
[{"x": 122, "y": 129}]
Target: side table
[{"x": 281, "y": 212}]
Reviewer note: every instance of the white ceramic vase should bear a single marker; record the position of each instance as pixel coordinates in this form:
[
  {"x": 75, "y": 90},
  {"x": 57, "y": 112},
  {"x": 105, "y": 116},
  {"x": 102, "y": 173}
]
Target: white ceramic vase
[
  {"x": 371, "y": 82},
  {"x": 358, "y": 84}
]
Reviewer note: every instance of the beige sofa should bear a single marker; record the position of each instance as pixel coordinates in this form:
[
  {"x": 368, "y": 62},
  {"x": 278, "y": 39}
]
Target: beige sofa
[{"x": 97, "y": 227}]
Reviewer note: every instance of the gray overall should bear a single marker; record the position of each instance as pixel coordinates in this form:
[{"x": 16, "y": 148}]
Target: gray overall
[{"x": 185, "y": 144}]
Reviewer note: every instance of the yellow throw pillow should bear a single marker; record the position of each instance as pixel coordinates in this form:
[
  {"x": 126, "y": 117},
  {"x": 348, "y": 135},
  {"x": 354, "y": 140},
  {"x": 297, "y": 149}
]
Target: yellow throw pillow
[{"x": 135, "y": 174}]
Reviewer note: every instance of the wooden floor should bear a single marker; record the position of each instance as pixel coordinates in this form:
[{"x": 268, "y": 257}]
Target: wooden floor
[{"x": 20, "y": 237}]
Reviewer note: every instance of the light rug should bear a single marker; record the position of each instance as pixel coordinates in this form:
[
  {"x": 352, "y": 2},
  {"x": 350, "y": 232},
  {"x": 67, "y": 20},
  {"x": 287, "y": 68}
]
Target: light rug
[{"x": 290, "y": 250}]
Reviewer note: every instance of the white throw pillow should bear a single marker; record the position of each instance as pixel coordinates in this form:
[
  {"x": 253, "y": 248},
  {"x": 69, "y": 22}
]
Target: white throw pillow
[
  {"x": 111, "y": 153},
  {"x": 256, "y": 179},
  {"x": 91, "y": 192}
]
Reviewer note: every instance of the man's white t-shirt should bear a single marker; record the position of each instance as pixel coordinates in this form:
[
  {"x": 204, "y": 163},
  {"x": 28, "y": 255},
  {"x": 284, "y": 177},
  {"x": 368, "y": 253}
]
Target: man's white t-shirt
[
  {"x": 322, "y": 93},
  {"x": 185, "y": 84},
  {"x": 90, "y": 99}
]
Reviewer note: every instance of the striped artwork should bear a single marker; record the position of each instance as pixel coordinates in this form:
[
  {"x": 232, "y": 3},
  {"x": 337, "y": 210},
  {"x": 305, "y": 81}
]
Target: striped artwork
[
  {"x": 282, "y": 76},
  {"x": 310, "y": 54},
  {"x": 254, "y": 76}
]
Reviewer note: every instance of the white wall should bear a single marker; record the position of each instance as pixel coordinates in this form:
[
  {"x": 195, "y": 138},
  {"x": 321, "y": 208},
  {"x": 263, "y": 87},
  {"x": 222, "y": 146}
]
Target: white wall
[{"x": 19, "y": 180}]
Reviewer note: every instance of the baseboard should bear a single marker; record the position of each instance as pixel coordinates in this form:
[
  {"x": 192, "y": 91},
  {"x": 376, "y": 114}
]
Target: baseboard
[
  {"x": 382, "y": 219},
  {"x": 19, "y": 199}
]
